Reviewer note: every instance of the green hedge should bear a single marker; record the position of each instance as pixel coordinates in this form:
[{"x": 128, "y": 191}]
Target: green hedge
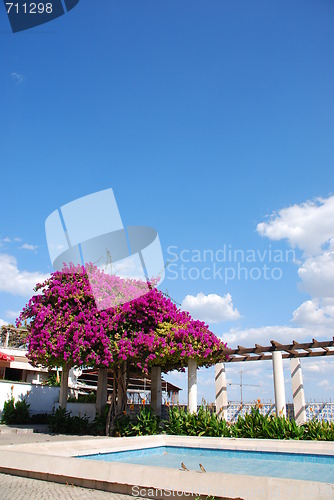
[
  {"x": 205, "y": 423},
  {"x": 179, "y": 422}
]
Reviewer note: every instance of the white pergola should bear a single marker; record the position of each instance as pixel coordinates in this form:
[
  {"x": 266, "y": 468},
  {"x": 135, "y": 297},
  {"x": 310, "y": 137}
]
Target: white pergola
[{"x": 276, "y": 352}]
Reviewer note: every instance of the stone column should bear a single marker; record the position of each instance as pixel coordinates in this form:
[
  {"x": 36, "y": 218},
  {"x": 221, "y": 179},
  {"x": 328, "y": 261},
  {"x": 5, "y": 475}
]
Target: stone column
[
  {"x": 221, "y": 392},
  {"x": 156, "y": 390},
  {"x": 298, "y": 391},
  {"x": 279, "y": 383},
  {"x": 63, "y": 387},
  {"x": 192, "y": 386},
  {"x": 102, "y": 390}
]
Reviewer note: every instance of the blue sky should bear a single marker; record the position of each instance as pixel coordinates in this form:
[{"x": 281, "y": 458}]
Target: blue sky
[{"x": 213, "y": 123}]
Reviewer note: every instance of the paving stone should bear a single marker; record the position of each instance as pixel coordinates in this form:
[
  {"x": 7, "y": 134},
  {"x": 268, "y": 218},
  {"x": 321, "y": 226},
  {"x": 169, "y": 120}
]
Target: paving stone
[{"x": 21, "y": 488}]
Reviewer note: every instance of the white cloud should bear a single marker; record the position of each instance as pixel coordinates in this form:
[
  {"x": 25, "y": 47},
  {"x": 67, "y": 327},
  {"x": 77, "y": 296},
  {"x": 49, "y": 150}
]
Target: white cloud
[
  {"x": 130, "y": 267},
  {"x": 17, "y": 282},
  {"x": 27, "y": 246},
  {"x": 6, "y": 240},
  {"x": 211, "y": 308},
  {"x": 2, "y": 322},
  {"x": 206, "y": 382},
  {"x": 18, "y": 77},
  {"x": 308, "y": 226},
  {"x": 317, "y": 275},
  {"x": 263, "y": 335},
  {"x": 315, "y": 312},
  {"x": 323, "y": 366},
  {"x": 13, "y": 314},
  {"x": 323, "y": 383}
]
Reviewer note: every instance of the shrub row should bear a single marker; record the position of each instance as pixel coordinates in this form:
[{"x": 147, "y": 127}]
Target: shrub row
[
  {"x": 206, "y": 423},
  {"x": 179, "y": 422}
]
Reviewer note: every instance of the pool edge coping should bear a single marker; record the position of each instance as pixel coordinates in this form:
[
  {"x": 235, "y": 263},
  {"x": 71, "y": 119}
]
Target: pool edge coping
[{"x": 54, "y": 461}]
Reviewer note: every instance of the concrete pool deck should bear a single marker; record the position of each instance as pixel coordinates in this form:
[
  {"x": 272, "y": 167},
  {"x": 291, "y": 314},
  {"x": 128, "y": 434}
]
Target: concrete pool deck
[{"x": 54, "y": 461}]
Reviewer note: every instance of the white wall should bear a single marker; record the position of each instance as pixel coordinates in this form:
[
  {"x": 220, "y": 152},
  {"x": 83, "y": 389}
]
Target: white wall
[
  {"x": 41, "y": 398},
  {"x": 81, "y": 409}
]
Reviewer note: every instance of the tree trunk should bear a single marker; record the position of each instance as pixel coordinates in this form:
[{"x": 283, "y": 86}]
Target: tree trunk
[
  {"x": 102, "y": 390},
  {"x": 119, "y": 397},
  {"x": 64, "y": 387},
  {"x": 156, "y": 390}
]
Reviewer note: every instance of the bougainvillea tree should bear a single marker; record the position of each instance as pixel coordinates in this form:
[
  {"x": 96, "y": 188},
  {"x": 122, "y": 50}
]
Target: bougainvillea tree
[{"x": 69, "y": 326}]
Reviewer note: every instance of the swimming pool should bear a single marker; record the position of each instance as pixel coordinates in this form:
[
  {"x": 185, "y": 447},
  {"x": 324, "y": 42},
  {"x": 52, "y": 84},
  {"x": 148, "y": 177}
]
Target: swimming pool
[
  {"x": 309, "y": 467},
  {"x": 58, "y": 461}
]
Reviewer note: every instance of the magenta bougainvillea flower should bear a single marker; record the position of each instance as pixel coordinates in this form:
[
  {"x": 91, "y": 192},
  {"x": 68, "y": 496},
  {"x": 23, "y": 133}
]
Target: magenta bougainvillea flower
[{"x": 66, "y": 326}]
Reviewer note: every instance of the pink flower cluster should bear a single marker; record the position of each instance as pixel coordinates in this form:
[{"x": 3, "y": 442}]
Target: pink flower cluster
[{"x": 67, "y": 326}]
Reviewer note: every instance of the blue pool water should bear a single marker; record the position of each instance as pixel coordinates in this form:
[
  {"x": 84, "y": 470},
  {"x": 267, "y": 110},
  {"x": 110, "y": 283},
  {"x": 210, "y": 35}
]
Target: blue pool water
[{"x": 253, "y": 463}]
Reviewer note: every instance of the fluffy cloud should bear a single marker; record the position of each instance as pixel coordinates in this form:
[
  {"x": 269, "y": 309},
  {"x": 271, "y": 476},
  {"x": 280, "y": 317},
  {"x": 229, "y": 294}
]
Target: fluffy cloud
[
  {"x": 320, "y": 370},
  {"x": 27, "y": 246},
  {"x": 211, "y": 308},
  {"x": 264, "y": 334},
  {"x": 2, "y": 322},
  {"x": 315, "y": 312},
  {"x": 14, "y": 281},
  {"x": 308, "y": 226},
  {"x": 317, "y": 275},
  {"x": 12, "y": 314},
  {"x": 17, "y": 77}
]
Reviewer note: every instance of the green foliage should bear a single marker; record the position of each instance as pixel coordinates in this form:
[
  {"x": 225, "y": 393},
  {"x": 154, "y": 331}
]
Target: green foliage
[
  {"x": 176, "y": 422},
  {"x": 8, "y": 413},
  {"x": 204, "y": 423},
  {"x": 83, "y": 398},
  {"x": 52, "y": 380},
  {"x": 144, "y": 424},
  {"x": 179, "y": 422},
  {"x": 147, "y": 423},
  {"x": 256, "y": 425},
  {"x": 61, "y": 422},
  {"x": 15, "y": 412},
  {"x": 99, "y": 423},
  {"x": 319, "y": 430},
  {"x": 252, "y": 425},
  {"x": 22, "y": 412},
  {"x": 40, "y": 418},
  {"x": 123, "y": 427}
]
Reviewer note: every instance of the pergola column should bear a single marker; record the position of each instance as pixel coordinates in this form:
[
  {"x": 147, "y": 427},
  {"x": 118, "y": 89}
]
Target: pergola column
[
  {"x": 298, "y": 391},
  {"x": 192, "y": 386},
  {"x": 279, "y": 383},
  {"x": 156, "y": 391},
  {"x": 102, "y": 390},
  {"x": 221, "y": 391}
]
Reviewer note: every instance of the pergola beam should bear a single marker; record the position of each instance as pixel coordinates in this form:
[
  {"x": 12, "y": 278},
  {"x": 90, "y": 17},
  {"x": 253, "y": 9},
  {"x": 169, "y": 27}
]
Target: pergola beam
[
  {"x": 289, "y": 351},
  {"x": 285, "y": 356}
]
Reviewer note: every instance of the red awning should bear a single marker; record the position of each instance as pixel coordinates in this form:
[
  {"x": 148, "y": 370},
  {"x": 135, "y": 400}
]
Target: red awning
[{"x": 5, "y": 357}]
